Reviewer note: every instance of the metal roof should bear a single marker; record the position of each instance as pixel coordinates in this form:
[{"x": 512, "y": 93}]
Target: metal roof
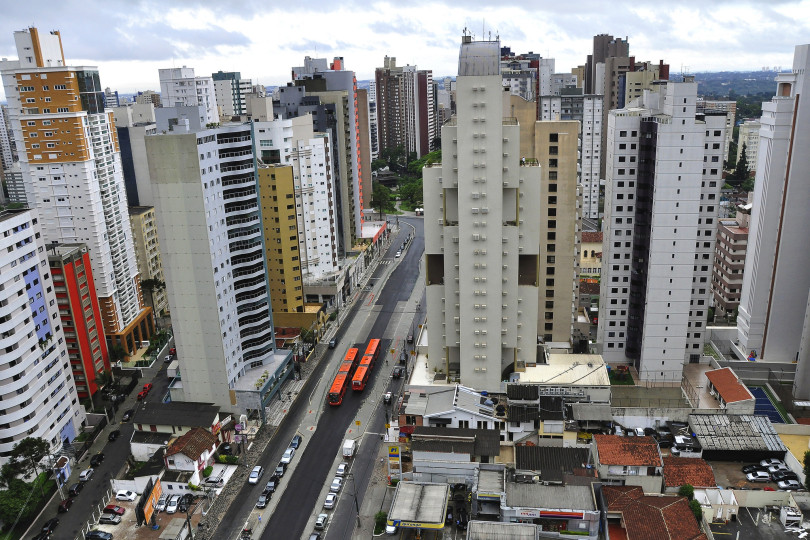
[
  {"x": 550, "y": 497},
  {"x": 491, "y": 530},
  {"x": 419, "y": 502},
  {"x": 735, "y": 432},
  {"x": 551, "y": 408},
  {"x": 487, "y": 441},
  {"x": 551, "y": 462},
  {"x": 522, "y": 413},
  {"x": 490, "y": 481},
  {"x": 592, "y": 411},
  {"x": 527, "y": 392}
]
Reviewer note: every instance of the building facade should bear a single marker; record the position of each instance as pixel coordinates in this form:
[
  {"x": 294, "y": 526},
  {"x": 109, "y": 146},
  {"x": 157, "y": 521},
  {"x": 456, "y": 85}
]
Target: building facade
[
  {"x": 147, "y": 253},
  {"x": 180, "y": 87},
  {"x": 481, "y": 249},
  {"x": 71, "y": 165},
  {"x": 728, "y": 107},
  {"x": 133, "y": 123},
  {"x": 749, "y": 139},
  {"x": 661, "y": 205},
  {"x": 231, "y": 90},
  {"x": 729, "y": 264}
]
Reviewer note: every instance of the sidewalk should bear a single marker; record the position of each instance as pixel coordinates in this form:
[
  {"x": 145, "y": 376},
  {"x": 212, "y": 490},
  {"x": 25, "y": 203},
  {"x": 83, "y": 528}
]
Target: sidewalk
[{"x": 378, "y": 494}]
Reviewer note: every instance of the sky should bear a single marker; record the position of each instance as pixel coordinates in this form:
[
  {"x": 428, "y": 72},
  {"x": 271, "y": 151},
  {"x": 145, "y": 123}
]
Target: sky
[{"x": 129, "y": 40}]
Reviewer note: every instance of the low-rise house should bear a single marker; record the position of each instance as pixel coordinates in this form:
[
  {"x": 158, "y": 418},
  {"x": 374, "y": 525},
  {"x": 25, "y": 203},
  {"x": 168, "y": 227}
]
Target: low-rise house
[
  {"x": 564, "y": 510},
  {"x": 551, "y": 465},
  {"x": 650, "y": 517},
  {"x": 452, "y": 454},
  {"x": 632, "y": 461},
  {"x": 180, "y": 417},
  {"x": 684, "y": 470},
  {"x": 732, "y": 394},
  {"x": 447, "y": 406},
  {"x": 145, "y": 444},
  {"x": 192, "y": 452}
]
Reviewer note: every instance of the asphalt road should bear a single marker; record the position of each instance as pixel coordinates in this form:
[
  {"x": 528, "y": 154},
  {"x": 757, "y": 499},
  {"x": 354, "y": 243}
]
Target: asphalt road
[{"x": 291, "y": 516}]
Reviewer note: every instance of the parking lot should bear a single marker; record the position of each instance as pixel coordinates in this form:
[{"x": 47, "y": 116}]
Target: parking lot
[
  {"x": 750, "y": 525},
  {"x": 128, "y": 528},
  {"x": 728, "y": 474}
]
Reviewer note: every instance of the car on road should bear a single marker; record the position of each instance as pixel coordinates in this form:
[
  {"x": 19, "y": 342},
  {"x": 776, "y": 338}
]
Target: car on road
[
  {"x": 390, "y": 530},
  {"x": 161, "y": 504},
  {"x": 147, "y": 387},
  {"x": 387, "y": 398},
  {"x": 448, "y": 520},
  {"x": 399, "y": 371},
  {"x": 65, "y": 505},
  {"x": 263, "y": 500},
  {"x": 398, "y": 254},
  {"x": 50, "y": 525},
  {"x": 74, "y": 489},
  {"x": 280, "y": 469},
  {"x": 125, "y": 495},
  {"x": 41, "y": 536},
  {"x": 128, "y": 415},
  {"x": 342, "y": 469},
  {"x": 225, "y": 449},
  {"x": 86, "y": 474},
  {"x": 168, "y": 358},
  {"x": 98, "y": 535},
  {"x": 114, "y": 509},
  {"x": 113, "y": 436},
  {"x": 96, "y": 460},
  {"x": 789, "y": 485},
  {"x": 142, "y": 394},
  {"x": 403, "y": 358},
  {"x": 288, "y": 455},
  {"x": 295, "y": 442},
  {"x": 758, "y": 476},
  {"x": 784, "y": 475},
  {"x": 315, "y": 536},
  {"x": 171, "y": 506},
  {"x": 332, "y": 343},
  {"x": 771, "y": 461},
  {"x": 109, "y": 519},
  {"x": 410, "y": 338},
  {"x": 271, "y": 486},
  {"x": 255, "y": 474},
  {"x": 751, "y": 468},
  {"x": 337, "y": 484},
  {"x": 321, "y": 521},
  {"x": 330, "y": 501}
]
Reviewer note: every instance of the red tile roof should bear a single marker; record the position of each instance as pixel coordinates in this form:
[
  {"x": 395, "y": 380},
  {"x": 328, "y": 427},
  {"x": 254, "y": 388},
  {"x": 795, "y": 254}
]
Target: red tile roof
[
  {"x": 652, "y": 517},
  {"x": 588, "y": 288},
  {"x": 630, "y": 451},
  {"x": 193, "y": 443},
  {"x": 679, "y": 471},
  {"x": 728, "y": 385},
  {"x": 591, "y": 237}
]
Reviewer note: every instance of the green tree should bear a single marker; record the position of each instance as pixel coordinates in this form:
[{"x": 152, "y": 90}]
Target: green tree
[
  {"x": 741, "y": 169},
  {"x": 18, "y": 502},
  {"x": 307, "y": 336},
  {"x": 381, "y": 198},
  {"x": 807, "y": 468},
  {"x": 378, "y": 164},
  {"x": 117, "y": 353},
  {"x": 152, "y": 285},
  {"x": 396, "y": 157},
  {"x": 696, "y": 509},
  {"x": 28, "y": 453},
  {"x": 687, "y": 491}
]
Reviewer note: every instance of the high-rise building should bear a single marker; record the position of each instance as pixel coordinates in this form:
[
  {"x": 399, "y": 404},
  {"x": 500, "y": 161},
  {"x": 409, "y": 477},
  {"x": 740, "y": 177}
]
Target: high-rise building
[
  {"x": 374, "y": 140},
  {"x": 231, "y": 91},
  {"x": 364, "y": 143},
  {"x": 604, "y": 46},
  {"x": 7, "y": 151},
  {"x": 210, "y": 231},
  {"x": 133, "y": 123},
  {"x": 147, "y": 252},
  {"x": 749, "y": 139},
  {"x": 180, "y": 87},
  {"x": 148, "y": 96},
  {"x": 729, "y": 263},
  {"x": 642, "y": 77},
  {"x": 37, "y": 390},
  {"x": 775, "y": 286},
  {"x": 80, "y": 315},
  {"x": 111, "y": 98},
  {"x": 662, "y": 198},
  {"x": 728, "y": 107},
  {"x": 405, "y": 107},
  {"x": 71, "y": 166},
  {"x": 482, "y": 237},
  {"x": 520, "y": 73},
  {"x": 15, "y": 185}
]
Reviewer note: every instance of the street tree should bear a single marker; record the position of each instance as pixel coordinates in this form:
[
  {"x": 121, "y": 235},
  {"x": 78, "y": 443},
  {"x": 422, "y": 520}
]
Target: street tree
[{"x": 28, "y": 453}]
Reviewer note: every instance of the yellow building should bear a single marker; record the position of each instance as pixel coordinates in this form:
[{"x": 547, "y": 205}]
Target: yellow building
[
  {"x": 590, "y": 256},
  {"x": 147, "y": 252}
]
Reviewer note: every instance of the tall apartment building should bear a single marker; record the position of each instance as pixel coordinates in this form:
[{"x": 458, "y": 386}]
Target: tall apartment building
[
  {"x": 71, "y": 165},
  {"x": 111, "y": 98},
  {"x": 7, "y": 153},
  {"x": 776, "y": 282},
  {"x": 405, "y": 107},
  {"x": 661, "y": 204},
  {"x": 210, "y": 232},
  {"x": 148, "y": 96},
  {"x": 729, "y": 264},
  {"x": 147, "y": 253},
  {"x": 643, "y": 76},
  {"x": 373, "y": 122},
  {"x": 38, "y": 394},
  {"x": 180, "y": 87},
  {"x": 604, "y": 46},
  {"x": 80, "y": 315},
  {"x": 482, "y": 239},
  {"x": 571, "y": 104},
  {"x": 133, "y": 123},
  {"x": 749, "y": 138},
  {"x": 364, "y": 143},
  {"x": 728, "y": 107},
  {"x": 231, "y": 90},
  {"x": 520, "y": 73}
]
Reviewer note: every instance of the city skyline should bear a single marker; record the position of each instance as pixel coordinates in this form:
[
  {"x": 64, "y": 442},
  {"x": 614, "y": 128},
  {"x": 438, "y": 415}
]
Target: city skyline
[{"x": 130, "y": 45}]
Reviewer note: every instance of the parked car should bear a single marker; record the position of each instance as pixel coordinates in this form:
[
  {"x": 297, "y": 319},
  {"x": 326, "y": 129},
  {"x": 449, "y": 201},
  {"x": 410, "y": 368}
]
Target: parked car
[
  {"x": 225, "y": 449},
  {"x": 321, "y": 521},
  {"x": 387, "y": 397},
  {"x": 113, "y": 436},
  {"x": 315, "y": 536},
  {"x": 461, "y": 523},
  {"x": 171, "y": 506},
  {"x": 271, "y": 485},
  {"x": 288, "y": 455},
  {"x": 751, "y": 468},
  {"x": 639, "y": 432},
  {"x": 758, "y": 476},
  {"x": 399, "y": 371},
  {"x": 295, "y": 442},
  {"x": 263, "y": 500},
  {"x": 777, "y": 468},
  {"x": 125, "y": 495},
  {"x": 449, "y": 519},
  {"x": 147, "y": 387},
  {"x": 109, "y": 519},
  {"x": 279, "y": 472},
  {"x": 784, "y": 475},
  {"x": 86, "y": 474},
  {"x": 789, "y": 485},
  {"x": 65, "y": 505},
  {"x": 168, "y": 358},
  {"x": 96, "y": 460},
  {"x": 98, "y": 535},
  {"x": 142, "y": 394},
  {"x": 50, "y": 525},
  {"x": 255, "y": 474},
  {"x": 342, "y": 469},
  {"x": 185, "y": 502},
  {"x": 398, "y": 254},
  {"x": 128, "y": 415},
  {"x": 74, "y": 489},
  {"x": 161, "y": 504},
  {"x": 337, "y": 485},
  {"x": 114, "y": 509},
  {"x": 390, "y": 530},
  {"x": 771, "y": 461},
  {"x": 332, "y": 343},
  {"x": 330, "y": 501},
  {"x": 41, "y": 536},
  {"x": 410, "y": 338}
]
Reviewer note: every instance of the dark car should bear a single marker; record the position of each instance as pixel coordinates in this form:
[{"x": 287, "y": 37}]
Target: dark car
[
  {"x": 332, "y": 343},
  {"x": 185, "y": 502},
  {"x": 113, "y": 436},
  {"x": 98, "y": 535},
  {"x": 295, "y": 442},
  {"x": 128, "y": 415},
  {"x": 50, "y": 525},
  {"x": 41, "y": 536},
  {"x": 410, "y": 338},
  {"x": 399, "y": 371},
  {"x": 751, "y": 468},
  {"x": 263, "y": 500},
  {"x": 279, "y": 472},
  {"x": 403, "y": 358},
  {"x": 461, "y": 523},
  {"x": 96, "y": 460},
  {"x": 225, "y": 449},
  {"x": 75, "y": 489},
  {"x": 65, "y": 505},
  {"x": 784, "y": 475},
  {"x": 271, "y": 485}
]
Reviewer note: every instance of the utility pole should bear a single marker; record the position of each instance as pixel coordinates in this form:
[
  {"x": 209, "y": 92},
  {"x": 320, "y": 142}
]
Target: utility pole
[{"x": 354, "y": 493}]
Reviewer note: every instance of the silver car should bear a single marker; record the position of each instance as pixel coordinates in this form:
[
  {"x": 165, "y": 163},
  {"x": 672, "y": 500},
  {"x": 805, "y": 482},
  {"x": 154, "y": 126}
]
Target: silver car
[
  {"x": 336, "y": 486},
  {"x": 331, "y": 501},
  {"x": 342, "y": 469},
  {"x": 320, "y": 523},
  {"x": 288, "y": 455}
]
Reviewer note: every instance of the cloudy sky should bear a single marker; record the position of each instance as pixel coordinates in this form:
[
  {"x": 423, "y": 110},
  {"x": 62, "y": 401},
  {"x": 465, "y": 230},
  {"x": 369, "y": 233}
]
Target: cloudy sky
[{"x": 263, "y": 39}]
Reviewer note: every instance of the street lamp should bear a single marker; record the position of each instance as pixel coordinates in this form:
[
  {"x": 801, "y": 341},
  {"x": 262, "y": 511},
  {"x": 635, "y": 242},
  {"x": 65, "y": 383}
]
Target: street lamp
[{"x": 354, "y": 494}]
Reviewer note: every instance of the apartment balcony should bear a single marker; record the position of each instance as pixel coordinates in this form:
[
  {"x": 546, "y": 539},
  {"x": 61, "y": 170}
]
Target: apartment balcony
[
  {"x": 240, "y": 195},
  {"x": 246, "y": 260},
  {"x": 252, "y": 308},
  {"x": 244, "y": 208},
  {"x": 253, "y": 271},
  {"x": 251, "y": 297}
]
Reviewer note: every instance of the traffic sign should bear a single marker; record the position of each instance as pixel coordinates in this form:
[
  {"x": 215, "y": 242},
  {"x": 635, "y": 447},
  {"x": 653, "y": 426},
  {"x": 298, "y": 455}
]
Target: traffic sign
[{"x": 357, "y": 422}]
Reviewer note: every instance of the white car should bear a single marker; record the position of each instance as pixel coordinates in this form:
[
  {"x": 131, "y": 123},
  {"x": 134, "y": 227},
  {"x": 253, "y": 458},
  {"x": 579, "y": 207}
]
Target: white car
[
  {"x": 86, "y": 474},
  {"x": 336, "y": 486},
  {"x": 288, "y": 455},
  {"x": 255, "y": 474},
  {"x": 771, "y": 461},
  {"x": 758, "y": 476},
  {"x": 161, "y": 504},
  {"x": 778, "y": 467},
  {"x": 125, "y": 495},
  {"x": 320, "y": 523},
  {"x": 398, "y": 254},
  {"x": 789, "y": 485},
  {"x": 330, "y": 502},
  {"x": 342, "y": 469},
  {"x": 171, "y": 506}
]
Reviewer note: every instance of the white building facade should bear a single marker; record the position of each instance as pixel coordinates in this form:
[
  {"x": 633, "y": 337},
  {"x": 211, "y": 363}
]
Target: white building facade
[
  {"x": 481, "y": 243},
  {"x": 180, "y": 87},
  {"x": 749, "y": 137},
  {"x": 664, "y": 167}
]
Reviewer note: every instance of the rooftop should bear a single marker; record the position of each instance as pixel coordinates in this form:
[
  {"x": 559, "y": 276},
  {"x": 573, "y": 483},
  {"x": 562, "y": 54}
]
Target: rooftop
[
  {"x": 177, "y": 413},
  {"x": 735, "y": 432},
  {"x": 252, "y": 377},
  {"x": 420, "y": 502},
  {"x": 629, "y": 451},
  {"x": 591, "y": 237},
  {"x": 693, "y": 471},
  {"x": 140, "y": 209},
  {"x": 490, "y": 480},
  {"x": 151, "y": 437},
  {"x": 550, "y": 497},
  {"x": 193, "y": 443},
  {"x": 491, "y": 530},
  {"x": 568, "y": 369},
  {"x": 728, "y": 385},
  {"x": 487, "y": 442},
  {"x": 552, "y": 463},
  {"x": 652, "y": 517}
]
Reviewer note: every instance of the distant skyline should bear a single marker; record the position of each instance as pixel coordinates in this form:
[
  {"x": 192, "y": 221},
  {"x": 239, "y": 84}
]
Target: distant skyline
[{"x": 130, "y": 41}]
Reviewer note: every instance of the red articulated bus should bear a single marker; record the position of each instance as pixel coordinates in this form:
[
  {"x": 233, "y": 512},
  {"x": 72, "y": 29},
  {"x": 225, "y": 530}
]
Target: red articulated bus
[
  {"x": 344, "y": 374},
  {"x": 373, "y": 350},
  {"x": 361, "y": 375}
]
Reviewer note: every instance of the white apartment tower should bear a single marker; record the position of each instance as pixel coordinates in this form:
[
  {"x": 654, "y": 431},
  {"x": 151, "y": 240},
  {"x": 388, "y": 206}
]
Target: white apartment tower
[
  {"x": 179, "y": 87},
  {"x": 211, "y": 242},
  {"x": 37, "y": 391},
  {"x": 481, "y": 238},
  {"x": 71, "y": 166},
  {"x": 373, "y": 136},
  {"x": 776, "y": 282},
  {"x": 664, "y": 167}
]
